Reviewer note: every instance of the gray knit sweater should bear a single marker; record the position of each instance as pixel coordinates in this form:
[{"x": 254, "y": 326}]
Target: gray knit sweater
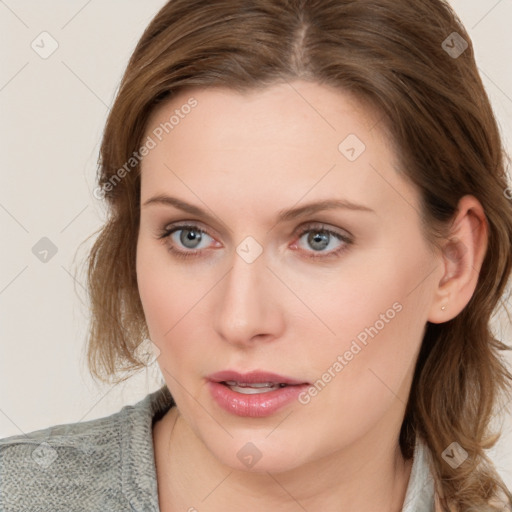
[{"x": 108, "y": 464}]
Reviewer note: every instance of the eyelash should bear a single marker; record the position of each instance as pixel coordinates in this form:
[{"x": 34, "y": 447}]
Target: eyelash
[{"x": 318, "y": 228}]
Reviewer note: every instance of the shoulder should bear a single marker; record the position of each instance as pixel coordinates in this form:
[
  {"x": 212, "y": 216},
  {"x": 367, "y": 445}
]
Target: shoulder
[
  {"x": 73, "y": 466},
  {"x": 72, "y": 462}
]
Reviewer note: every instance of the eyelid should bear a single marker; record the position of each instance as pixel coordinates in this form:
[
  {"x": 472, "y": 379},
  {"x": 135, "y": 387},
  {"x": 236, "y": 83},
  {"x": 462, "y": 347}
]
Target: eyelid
[
  {"x": 323, "y": 226},
  {"x": 190, "y": 224}
]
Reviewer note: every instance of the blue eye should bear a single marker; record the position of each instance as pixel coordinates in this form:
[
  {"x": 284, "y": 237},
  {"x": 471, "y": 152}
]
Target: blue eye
[
  {"x": 319, "y": 238},
  {"x": 191, "y": 237}
]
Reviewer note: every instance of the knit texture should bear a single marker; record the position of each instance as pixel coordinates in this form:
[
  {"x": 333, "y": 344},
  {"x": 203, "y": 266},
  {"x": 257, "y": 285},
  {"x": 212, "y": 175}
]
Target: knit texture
[{"x": 108, "y": 465}]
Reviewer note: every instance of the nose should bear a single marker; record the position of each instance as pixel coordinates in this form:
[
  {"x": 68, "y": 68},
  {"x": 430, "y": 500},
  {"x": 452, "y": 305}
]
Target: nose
[{"x": 247, "y": 304}]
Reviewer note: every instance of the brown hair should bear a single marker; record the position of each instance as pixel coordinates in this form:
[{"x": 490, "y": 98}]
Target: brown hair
[{"x": 402, "y": 57}]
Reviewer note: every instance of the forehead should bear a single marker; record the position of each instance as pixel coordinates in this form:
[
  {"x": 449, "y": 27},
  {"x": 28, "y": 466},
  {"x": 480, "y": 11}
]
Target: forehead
[
  {"x": 278, "y": 144},
  {"x": 305, "y": 107}
]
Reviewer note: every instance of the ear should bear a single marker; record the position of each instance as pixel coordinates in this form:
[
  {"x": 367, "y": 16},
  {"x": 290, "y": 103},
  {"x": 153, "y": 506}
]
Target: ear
[{"x": 462, "y": 257}]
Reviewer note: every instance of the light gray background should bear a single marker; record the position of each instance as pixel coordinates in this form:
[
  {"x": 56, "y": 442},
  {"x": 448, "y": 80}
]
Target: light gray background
[{"x": 52, "y": 113}]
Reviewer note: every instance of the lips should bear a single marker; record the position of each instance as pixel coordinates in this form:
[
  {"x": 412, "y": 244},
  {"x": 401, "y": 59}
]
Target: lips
[
  {"x": 254, "y": 377},
  {"x": 253, "y": 394}
]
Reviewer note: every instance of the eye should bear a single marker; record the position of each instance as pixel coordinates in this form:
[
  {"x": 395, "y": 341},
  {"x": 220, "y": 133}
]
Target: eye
[
  {"x": 319, "y": 237},
  {"x": 188, "y": 236}
]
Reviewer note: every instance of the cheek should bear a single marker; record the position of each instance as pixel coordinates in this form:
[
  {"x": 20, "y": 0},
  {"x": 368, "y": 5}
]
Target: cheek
[
  {"x": 373, "y": 315},
  {"x": 359, "y": 380},
  {"x": 158, "y": 289},
  {"x": 380, "y": 329},
  {"x": 362, "y": 296},
  {"x": 377, "y": 338},
  {"x": 171, "y": 299}
]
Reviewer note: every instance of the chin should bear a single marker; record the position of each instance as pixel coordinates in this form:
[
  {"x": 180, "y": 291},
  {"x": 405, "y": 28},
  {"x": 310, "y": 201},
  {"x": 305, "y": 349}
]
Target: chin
[{"x": 254, "y": 454}]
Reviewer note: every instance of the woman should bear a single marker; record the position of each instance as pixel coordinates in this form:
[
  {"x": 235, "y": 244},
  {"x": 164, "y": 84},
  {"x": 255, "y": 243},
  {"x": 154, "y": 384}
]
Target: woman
[{"x": 308, "y": 220}]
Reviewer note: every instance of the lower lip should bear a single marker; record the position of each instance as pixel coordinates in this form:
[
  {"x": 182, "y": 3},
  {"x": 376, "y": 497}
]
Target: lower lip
[{"x": 256, "y": 405}]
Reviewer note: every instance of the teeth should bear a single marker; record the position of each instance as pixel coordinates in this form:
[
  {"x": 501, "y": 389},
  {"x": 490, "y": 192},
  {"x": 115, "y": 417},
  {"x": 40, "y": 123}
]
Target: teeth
[
  {"x": 247, "y": 390},
  {"x": 253, "y": 388},
  {"x": 252, "y": 385}
]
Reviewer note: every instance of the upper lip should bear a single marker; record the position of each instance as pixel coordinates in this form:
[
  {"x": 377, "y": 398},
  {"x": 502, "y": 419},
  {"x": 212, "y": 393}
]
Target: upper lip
[{"x": 255, "y": 376}]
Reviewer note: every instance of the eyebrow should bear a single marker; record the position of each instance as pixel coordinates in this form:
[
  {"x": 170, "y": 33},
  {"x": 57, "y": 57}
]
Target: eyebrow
[{"x": 283, "y": 215}]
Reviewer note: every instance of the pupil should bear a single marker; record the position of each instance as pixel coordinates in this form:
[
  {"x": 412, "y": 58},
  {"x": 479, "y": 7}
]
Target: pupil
[
  {"x": 321, "y": 238},
  {"x": 191, "y": 236}
]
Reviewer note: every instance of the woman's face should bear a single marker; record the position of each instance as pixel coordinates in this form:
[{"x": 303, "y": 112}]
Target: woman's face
[{"x": 248, "y": 275}]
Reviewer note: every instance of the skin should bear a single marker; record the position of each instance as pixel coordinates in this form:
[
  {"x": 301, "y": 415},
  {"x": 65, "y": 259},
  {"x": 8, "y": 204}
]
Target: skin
[{"x": 244, "y": 158}]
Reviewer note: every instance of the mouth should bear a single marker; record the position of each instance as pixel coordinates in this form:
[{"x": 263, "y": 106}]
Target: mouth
[
  {"x": 254, "y": 388},
  {"x": 255, "y": 379},
  {"x": 254, "y": 394}
]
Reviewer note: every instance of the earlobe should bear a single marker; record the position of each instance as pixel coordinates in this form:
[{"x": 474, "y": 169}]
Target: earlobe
[{"x": 461, "y": 257}]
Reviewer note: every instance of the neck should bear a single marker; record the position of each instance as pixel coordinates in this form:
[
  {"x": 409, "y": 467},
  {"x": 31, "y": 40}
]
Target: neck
[{"x": 366, "y": 476}]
